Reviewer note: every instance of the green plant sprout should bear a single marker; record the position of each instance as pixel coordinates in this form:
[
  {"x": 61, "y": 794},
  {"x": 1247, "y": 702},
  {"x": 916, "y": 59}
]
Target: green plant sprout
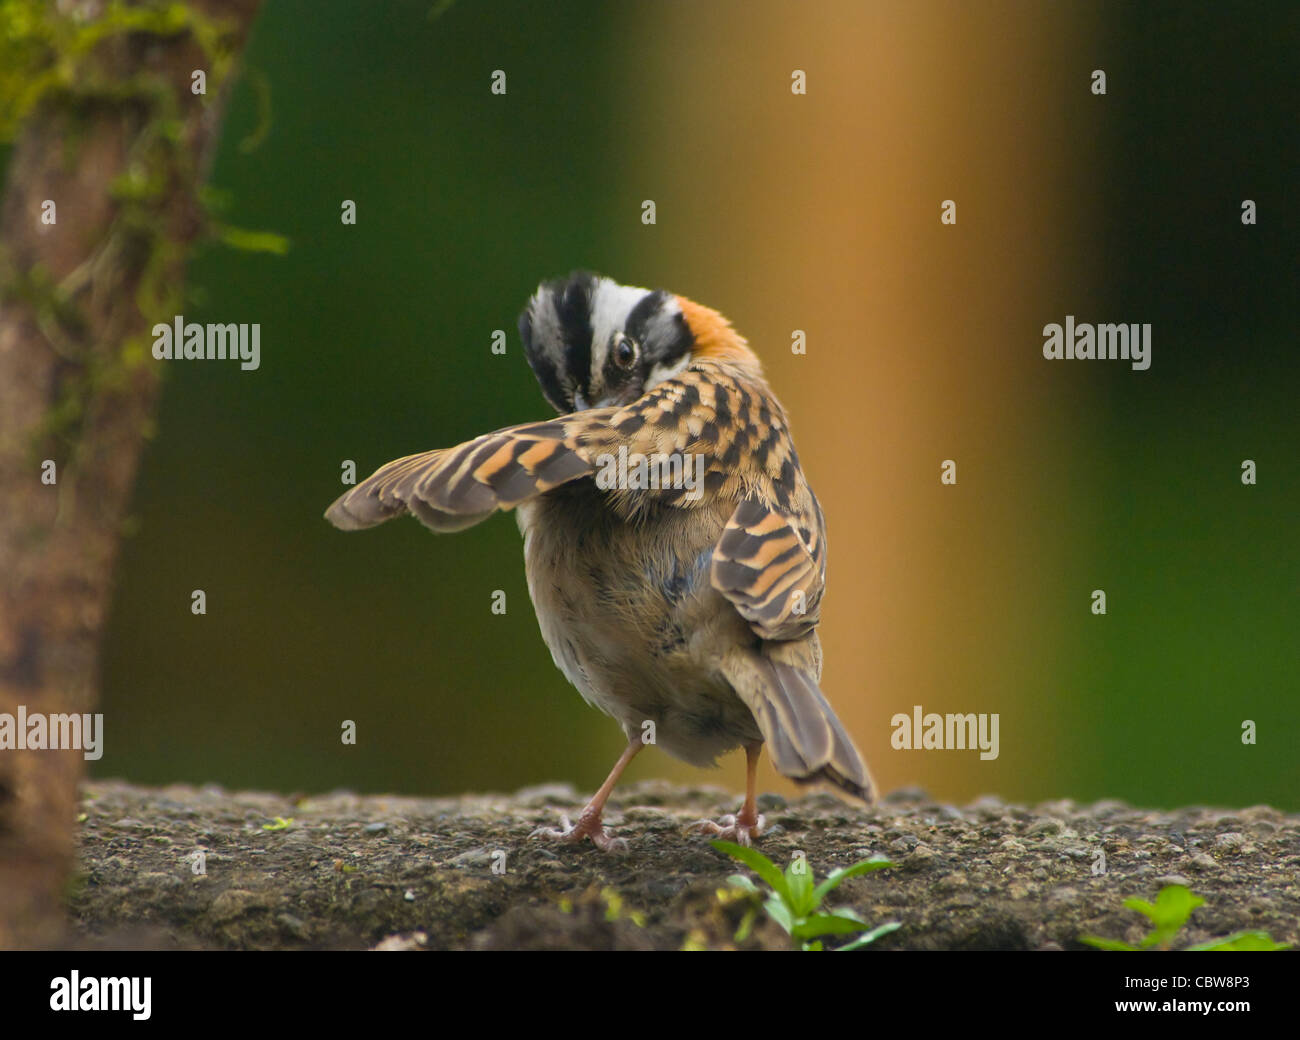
[
  {"x": 1172, "y": 908},
  {"x": 795, "y": 903}
]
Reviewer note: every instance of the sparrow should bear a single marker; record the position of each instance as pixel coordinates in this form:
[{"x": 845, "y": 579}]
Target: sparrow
[{"x": 674, "y": 551}]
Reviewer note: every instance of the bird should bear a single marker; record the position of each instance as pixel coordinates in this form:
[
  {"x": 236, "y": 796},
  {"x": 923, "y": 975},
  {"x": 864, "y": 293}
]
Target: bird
[{"x": 674, "y": 551}]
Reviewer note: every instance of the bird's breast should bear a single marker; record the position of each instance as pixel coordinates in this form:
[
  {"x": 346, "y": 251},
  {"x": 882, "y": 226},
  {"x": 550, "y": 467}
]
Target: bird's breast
[{"x": 631, "y": 617}]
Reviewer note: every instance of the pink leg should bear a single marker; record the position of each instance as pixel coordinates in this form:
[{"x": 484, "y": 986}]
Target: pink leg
[
  {"x": 745, "y": 825},
  {"x": 589, "y": 825}
]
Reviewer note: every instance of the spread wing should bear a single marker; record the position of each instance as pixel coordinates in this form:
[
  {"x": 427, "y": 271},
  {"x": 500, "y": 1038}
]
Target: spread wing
[
  {"x": 457, "y": 487},
  {"x": 770, "y": 558}
]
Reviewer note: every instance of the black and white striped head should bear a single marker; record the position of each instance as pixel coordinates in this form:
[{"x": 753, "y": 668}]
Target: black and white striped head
[{"x": 592, "y": 342}]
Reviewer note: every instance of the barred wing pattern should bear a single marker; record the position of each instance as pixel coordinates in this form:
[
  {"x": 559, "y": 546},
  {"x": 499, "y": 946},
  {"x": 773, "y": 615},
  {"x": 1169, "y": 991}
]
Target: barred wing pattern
[{"x": 770, "y": 561}]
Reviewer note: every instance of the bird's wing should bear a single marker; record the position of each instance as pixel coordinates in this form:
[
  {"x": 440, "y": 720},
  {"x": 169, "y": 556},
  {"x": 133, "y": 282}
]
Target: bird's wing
[
  {"x": 771, "y": 564},
  {"x": 455, "y": 488},
  {"x": 727, "y": 432}
]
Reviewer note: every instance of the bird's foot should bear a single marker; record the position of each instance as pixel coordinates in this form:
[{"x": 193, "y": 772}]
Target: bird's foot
[
  {"x": 740, "y": 828},
  {"x": 588, "y": 826}
]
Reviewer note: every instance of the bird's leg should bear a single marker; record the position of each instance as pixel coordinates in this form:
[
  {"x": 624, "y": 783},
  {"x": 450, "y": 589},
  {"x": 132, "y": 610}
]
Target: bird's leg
[
  {"x": 748, "y": 817},
  {"x": 747, "y": 824},
  {"x": 589, "y": 825}
]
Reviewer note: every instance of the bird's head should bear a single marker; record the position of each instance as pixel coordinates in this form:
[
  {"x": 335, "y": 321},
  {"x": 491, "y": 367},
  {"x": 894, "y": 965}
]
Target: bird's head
[{"x": 593, "y": 343}]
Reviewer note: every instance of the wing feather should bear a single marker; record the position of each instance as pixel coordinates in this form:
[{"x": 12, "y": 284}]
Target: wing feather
[
  {"x": 764, "y": 566},
  {"x": 455, "y": 488}
]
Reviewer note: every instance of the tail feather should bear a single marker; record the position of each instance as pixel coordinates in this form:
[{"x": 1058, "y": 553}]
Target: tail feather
[
  {"x": 806, "y": 740},
  {"x": 802, "y": 712}
]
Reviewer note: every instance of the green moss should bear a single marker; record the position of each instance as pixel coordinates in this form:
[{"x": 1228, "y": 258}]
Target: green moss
[
  {"x": 43, "y": 51},
  {"x": 50, "y": 63}
]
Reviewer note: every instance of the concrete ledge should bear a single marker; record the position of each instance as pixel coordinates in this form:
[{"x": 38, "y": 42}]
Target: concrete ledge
[{"x": 357, "y": 872}]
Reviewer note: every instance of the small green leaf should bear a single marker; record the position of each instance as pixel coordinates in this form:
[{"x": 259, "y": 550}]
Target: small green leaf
[
  {"x": 758, "y": 863},
  {"x": 1172, "y": 908},
  {"x": 740, "y": 881},
  {"x": 1253, "y": 941},
  {"x": 746, "y": 924},
  {"x": 251, "y": 241},
  {"x": 1141, "y": 906},
  {"x": 825, "y": 924},
  {"x": 842, "y": 874},
  {"x": 1174, "y": 905},
  {"x": 779, "y": 912},
  {"x": 280, "y": 824},
  {"x": 800, "y": 886},
  {"x": 872, "y": 936}
]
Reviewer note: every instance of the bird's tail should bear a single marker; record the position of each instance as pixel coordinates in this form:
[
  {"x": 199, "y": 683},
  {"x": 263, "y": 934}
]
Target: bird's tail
[{"x": 806, "y": 740}]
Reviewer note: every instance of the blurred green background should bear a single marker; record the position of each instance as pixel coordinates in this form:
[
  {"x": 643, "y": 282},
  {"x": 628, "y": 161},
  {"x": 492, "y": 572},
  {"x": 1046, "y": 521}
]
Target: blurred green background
[{"x": 818, "y": 212}]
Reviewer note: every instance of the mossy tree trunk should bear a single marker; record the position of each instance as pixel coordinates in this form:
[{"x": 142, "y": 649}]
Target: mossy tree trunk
[{"x": 108, "y": 129}]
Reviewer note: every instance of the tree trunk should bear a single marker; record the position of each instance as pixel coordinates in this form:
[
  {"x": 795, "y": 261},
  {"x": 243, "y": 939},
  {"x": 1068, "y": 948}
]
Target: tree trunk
[{"x": 119, "y": 145}]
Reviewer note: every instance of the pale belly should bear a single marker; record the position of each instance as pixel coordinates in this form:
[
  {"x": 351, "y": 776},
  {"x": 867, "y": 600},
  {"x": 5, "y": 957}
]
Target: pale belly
[{"x": 632, "y": 621}]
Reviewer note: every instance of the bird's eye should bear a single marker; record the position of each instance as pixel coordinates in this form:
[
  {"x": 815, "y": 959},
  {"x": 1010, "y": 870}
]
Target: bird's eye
[{"x": 625, "y": 351}]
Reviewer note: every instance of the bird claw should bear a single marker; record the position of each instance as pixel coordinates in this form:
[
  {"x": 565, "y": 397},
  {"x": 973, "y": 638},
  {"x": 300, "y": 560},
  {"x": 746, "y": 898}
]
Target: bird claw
[
  {"x": 586, "y": 827},
  {"x": 732, "y": 828}
]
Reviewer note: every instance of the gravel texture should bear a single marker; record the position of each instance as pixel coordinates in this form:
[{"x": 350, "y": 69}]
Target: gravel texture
[{"x": 347, "y": 871}]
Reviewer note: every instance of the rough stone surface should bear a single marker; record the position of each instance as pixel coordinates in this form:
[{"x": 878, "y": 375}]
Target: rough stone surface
[{"x": 412, "y": 873}]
